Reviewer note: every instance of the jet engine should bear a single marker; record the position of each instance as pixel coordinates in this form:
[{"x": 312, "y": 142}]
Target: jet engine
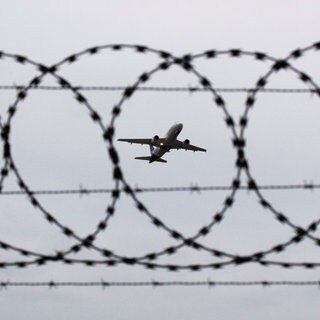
[
  {"x": 155, "y": 139},
  {"x": 186, "y": 142}
]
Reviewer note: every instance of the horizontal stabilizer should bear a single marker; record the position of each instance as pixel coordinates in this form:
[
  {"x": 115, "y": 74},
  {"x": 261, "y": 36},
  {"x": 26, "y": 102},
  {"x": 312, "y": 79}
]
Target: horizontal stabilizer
[{"x": 148, "y": 159}]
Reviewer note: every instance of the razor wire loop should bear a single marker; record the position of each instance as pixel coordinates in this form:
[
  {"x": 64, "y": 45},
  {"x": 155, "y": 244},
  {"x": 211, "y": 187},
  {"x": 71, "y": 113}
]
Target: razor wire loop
[
  {"x": 197, "y": 267},
  {"x": 4, "y": 172},
  {"x": 184, "y": 62},
  {"x": 9, "y": 160},
  {"x": 251, "y": 99},
  {"x": 279, "y": 65},
  {"x": 66, "y": 231},
  {"x": 86, "y": 242}
]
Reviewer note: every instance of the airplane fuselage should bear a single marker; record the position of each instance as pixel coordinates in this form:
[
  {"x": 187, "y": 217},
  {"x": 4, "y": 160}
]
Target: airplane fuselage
[{"x": 171, "y": 136}]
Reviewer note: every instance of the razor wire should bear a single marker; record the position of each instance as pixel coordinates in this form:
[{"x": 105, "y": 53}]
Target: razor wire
[{"x": 150, "y": 259}]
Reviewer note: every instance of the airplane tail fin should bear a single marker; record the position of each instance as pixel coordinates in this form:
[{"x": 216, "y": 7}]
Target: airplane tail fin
[{"x": 148, "y": 159}]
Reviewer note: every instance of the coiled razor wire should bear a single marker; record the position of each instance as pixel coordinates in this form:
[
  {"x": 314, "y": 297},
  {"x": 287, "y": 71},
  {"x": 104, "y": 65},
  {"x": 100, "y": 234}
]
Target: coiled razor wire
[{"x": 150, "y": 259}]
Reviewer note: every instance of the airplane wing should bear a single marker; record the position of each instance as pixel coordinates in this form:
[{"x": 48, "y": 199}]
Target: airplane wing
[
  {"x": 186, "y": 146},
  {"x": 150, "y": 142}
]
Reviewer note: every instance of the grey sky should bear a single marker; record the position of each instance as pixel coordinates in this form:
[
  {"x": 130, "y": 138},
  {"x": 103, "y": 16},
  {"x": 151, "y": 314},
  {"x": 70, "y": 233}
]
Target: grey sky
[{"x": 56, "y": 145}]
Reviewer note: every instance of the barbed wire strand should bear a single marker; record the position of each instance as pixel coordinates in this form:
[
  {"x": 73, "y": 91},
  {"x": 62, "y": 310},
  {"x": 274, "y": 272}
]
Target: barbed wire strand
[
  {"x": 192, "y": 188},
  {"x": 4, "y": 285}
]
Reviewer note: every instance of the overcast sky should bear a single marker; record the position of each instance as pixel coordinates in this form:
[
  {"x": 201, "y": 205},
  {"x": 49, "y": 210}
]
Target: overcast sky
[{"x": 56, "y": 145}]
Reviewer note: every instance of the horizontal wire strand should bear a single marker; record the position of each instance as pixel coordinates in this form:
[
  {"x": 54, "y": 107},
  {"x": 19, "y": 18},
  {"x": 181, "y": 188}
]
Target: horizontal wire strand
[
  {"x": 192, "y": 188},
  {"x": 208, "y": 283}
]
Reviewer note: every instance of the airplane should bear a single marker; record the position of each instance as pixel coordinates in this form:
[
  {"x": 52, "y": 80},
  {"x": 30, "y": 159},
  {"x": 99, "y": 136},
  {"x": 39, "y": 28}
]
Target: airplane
[{"x": 159, "y": 146}]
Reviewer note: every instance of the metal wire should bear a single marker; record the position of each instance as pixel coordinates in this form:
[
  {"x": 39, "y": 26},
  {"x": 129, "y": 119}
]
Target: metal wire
[
  {"x": 194, "y": 188},
  {"x": 107, "y": 256},
  {"x": 154, "y": 284}
]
